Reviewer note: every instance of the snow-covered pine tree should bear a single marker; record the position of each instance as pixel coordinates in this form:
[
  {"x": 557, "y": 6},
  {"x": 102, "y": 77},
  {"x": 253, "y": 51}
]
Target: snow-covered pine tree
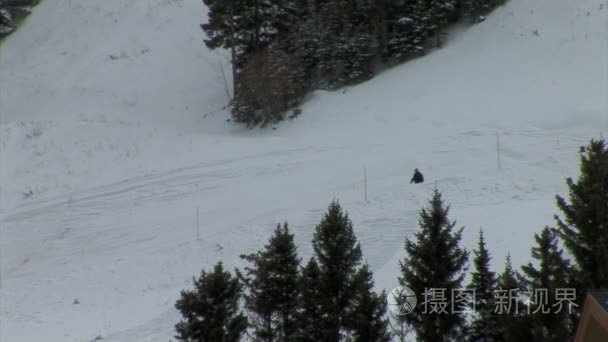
[
  {"x": 12, "y": 12},
  {"x": 305, "y": 44},
  {"x": 211, "y": 311},
  {"x": 6, "y": 21},
  {"x": 439, "y": 14},
  {"x": 362, "y": 45},
  {"x": 409, "y": 29},
  {"x": 359, "y": 55},
  {"x": 485, "y": 322},
  {"x": 434, "y": 260},
  {"x": 272, "y": 287}
]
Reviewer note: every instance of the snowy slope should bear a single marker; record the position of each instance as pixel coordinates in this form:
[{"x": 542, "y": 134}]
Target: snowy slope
[{"x": 110, "y": 113}]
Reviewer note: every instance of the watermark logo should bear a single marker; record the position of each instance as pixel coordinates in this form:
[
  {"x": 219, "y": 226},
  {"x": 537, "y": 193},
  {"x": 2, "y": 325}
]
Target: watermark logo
[{"x": 401, "y": 300}]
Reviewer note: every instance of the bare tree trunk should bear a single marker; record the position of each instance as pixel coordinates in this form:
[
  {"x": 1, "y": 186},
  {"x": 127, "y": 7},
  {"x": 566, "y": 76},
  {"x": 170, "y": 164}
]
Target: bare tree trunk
[{"x": 234, "y": 72}]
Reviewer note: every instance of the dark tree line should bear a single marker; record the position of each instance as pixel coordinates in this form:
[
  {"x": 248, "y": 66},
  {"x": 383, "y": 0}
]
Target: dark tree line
[
  {"x": 282, "y": 49},
  {"x": 331, "y": 297},
  {"x": 12, "y": 12}
]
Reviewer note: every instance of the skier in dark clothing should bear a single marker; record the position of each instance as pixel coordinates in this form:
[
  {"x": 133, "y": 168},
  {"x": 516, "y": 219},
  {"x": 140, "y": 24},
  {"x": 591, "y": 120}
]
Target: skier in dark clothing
[{"x": 417, "y": 178}]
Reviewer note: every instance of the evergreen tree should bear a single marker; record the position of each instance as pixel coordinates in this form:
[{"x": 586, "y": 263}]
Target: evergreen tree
[
  {"x": 584, "y": 227},
  {"x": 486, "y": 321},
  {"x": 225, "y": 30},
  {"x": 305, "y": 44},
  {"x": 338, "y": 254},
  {"x": 362, "y": 45},
  {"x": 211, "y": 311},
  {"x": 310, "y": 315},
  {"x": 7, "y": 24},
  {"x": 509, "y": 307},
  {"x": 435, "y": 260},
  {"x": 474, "y": 9},
  {"x": 409, "y": 29},
  {"x": 272, "y": 285},
  {"x": 13, "y": 12},
  {"x": 551, "y": 274},
  {"x": 439, "y": 13},
  {"x": 360, "y": 53},
  {"x": 368, "y": 318}
]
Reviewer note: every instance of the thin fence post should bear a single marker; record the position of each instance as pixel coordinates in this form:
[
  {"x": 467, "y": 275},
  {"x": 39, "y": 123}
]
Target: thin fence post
[
  {"x": 197, "y": 226},
  {"x": 498, "y": 149},
  {"x": 365, "y": 182}
]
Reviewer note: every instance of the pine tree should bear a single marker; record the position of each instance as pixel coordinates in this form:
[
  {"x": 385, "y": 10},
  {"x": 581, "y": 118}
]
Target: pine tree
[
  {"x": 409, "y": 29},
  {"x": 338, "y": 254},
  {"x": 477, "y": 9},
  {"x": 225, "y": 30},
  {"x": 272, "y": 285},
  {"x": 513, "y": 325},
  {"x": 361, "y": 44},
  {"x": 435, "y": 260},
  {"x": 439, "y": 13},
  {"x": 7, "y": 24},
  {"x": 368, "y": 318},
  {"x": 13, "y": 12},
  {"x": 310, "y": 314},
  {"x": 486, "y": 321},
  {"x": 584, "y": 228},
  {"x": 474, "y": 9},
  {"x": 211, "y": 311},
  {"x": 360, "y": 53},
  {"x": 550, "y": 275}
]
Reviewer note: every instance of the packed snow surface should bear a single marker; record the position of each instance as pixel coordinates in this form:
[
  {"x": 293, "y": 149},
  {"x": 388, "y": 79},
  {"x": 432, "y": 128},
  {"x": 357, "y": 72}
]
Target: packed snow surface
[{"x": 113, "y": 132}]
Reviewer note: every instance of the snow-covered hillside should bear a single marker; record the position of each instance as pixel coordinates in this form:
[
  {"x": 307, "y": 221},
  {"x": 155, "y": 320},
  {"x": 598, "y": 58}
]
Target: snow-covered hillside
[{"x": 112, "y": 133}]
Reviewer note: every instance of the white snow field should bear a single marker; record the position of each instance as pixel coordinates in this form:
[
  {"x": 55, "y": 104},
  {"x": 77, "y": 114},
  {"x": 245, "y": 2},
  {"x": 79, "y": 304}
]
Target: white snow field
[{"x": 112, "y": 134}]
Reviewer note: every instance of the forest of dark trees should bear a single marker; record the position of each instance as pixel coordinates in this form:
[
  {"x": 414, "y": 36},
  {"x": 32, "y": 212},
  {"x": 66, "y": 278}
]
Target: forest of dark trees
[{"x": 282, "y": 49}]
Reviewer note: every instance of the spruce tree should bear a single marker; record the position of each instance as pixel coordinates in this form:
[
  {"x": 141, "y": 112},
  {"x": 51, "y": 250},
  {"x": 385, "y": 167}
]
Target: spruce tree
[
  {"x": 410, "y": 29},
  {"x": 339, "y": 255},
  {"x": 544, "y": 280},
  {"x": 439, "y": 13},
  {"x": 474, "y": 9},
  {"x": 485, "y": 323},
  {"x": 310, "y": 313},
  {"x": 435, "y": 260},
  {"x": 7, "y": 24},
  {"x": 224, "y": 30},
  {"x": 509, "y": 307},
  {"x": 272, "y": 284},
  {"x": 211, "y": 311},
  {"x": 584, "y": 226},
  {"x": 368, "y": 318}
]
